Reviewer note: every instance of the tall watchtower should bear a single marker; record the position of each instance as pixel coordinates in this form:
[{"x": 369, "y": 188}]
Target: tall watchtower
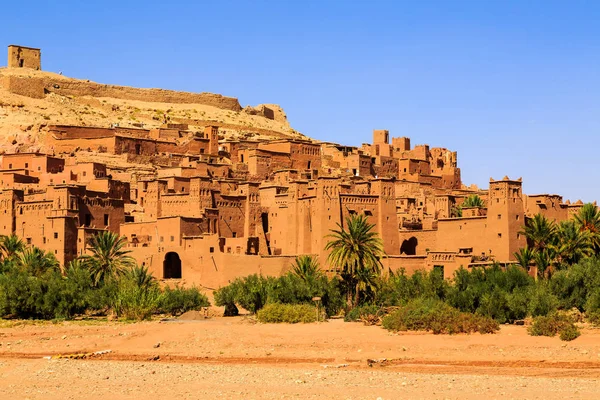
[
  {"x": 505, "y": 217},
  {"x": 24, "y": 57}
]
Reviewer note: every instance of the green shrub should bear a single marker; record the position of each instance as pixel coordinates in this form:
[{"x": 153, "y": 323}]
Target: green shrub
[
  {"x": 225, "y": 297},
  {"x": 550, "y": 325},
  {"x": 434, "y": 315},
  {"x": 570, "y": 332},
  {"x": 178, "y": 300},
  {"x": 134, "y": 302},
  {"x": 361, "y": 312},
  {"x": 48, "y": 296},
  {"x": 251, "y": 293},
  {"x": 593, "y": 318},
  {"x": 518, "y": 303},
  {"x": 254, "y": 291},
  {"x": 542, "y": 301},
  {"x": 575, "y": 285},
  {"x": 592, "y": 303},
  {"x": 288, "y": 313}
]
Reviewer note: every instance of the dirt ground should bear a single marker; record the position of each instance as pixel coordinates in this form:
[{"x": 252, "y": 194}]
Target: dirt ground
[{"x": 235, "y": 358}]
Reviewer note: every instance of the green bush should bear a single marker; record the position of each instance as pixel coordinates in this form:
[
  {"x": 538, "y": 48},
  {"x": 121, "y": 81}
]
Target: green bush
[
  {"x": 251, "y": 293},
  {"x": 492, "y": 292},
  {"x": 288, "y": 313},
  {"x": 542, "y": 301},
  {"x": 361, "y": 312},
  {"x": 134, "y": 302},
  {"x": 434, "y": 315},
  {"x": 593, "y": 318},
  {"x": 179, "y": 300},
  {"x": 592, "y": 303},
  {"x": 48, "y": 296},
  {"x": 225, "y": 297},
  {"x": 574, "y": 286},
  {"x": 254, "y": 291},
  {"x": 570, "y": 332},
  {"x": 550, "y": 325}
]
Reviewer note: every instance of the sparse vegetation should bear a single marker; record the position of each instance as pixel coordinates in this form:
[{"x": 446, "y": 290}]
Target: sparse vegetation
[
  {"x": 438, "y": 317},
  {"x": 553, "y": 324}
]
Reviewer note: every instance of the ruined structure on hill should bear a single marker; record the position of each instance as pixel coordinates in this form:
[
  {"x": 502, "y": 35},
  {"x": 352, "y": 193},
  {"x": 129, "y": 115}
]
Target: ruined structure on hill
[{"x": 205, "y": 210}]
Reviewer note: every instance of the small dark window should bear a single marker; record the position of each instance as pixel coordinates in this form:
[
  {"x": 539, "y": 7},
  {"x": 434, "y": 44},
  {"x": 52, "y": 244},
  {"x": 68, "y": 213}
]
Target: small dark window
[
  {"x": 234, "y": 234},
  {"x": 28, "y": 240},
  {"x": 499, "y": 235},
  {"x": 55, "y": 235},
  {"x": 9, "y": 166},
  {"x": 26, "y": 165},
  {"x": 212, "y": 249},
  {"x": 172, "y": 238},
  {"x": 106, "y": 219},
  {"x": 88, "y": 219}
]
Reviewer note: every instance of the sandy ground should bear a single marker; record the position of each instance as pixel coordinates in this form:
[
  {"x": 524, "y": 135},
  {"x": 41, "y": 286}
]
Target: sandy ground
[{"x": 236, "y": 358}]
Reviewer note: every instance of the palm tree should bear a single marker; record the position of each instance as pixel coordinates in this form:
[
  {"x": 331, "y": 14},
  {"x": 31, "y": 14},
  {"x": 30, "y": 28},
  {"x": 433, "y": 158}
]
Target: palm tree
[
  {"x": 36, "y": 261},
  {"x": 10, "y": 246},
  {"x": 473, "y": 201},
  {"x": 524, "y": 256},
  {"x": 108, "y": 258},
  {"x": 588, "y": 219},
  {"x": 367, "y": 282},
  {"x": 355, "y": 248},
  {"x": 573, "y": 244},
  {"x": 543, "y": 261},
  {"x": 307, "y": 268},
  {"x": 141, "y": 277},
  {"x": 540, "y": 232}
]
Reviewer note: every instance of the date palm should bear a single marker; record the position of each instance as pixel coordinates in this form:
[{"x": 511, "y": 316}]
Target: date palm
[
  {"x": 37, "y": 261},
  {"x": 355, "y": 247},
  {"x": 10, "y": 246},
  {"x": 473, "y": 201},
  {"x": 540, "y": 232},
  {"x": 307, "y": 268},
  {"x": 573, "y": 244},
  {"x": 109, "y": 259},
  {"x": 588, "y": 219},
  {"x": 524, "y": 256}
]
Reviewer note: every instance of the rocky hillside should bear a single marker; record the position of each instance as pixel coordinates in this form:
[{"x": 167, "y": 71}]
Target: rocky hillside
[{"x": 30, "y": 100}]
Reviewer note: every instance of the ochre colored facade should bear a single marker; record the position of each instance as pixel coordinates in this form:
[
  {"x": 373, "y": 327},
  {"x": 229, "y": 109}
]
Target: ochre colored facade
[
  {"x": 202, "y": 211},
  {"x": 24, "y": 57}
]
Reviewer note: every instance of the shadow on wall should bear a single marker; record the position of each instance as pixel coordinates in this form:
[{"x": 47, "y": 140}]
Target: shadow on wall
[{"x": 409, "y": 246}]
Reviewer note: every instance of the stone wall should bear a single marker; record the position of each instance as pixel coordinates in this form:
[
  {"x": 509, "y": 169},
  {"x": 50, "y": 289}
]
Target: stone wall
[
  {"x": 85, "y": 88},
  {"x": 23, "y": 86}
]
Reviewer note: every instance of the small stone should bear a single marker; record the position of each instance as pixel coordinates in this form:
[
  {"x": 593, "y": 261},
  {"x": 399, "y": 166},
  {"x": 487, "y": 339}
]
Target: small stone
[{"x": 157, "y": 345}]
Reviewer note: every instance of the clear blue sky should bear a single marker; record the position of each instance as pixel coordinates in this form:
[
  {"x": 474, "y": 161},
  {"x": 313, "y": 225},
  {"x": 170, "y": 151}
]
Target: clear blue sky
[{"x": 513, "y": 86}]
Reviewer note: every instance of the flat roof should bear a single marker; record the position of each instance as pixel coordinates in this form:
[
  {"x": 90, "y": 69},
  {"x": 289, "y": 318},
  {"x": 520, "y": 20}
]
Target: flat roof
[{"x": 24, "y": 47}]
